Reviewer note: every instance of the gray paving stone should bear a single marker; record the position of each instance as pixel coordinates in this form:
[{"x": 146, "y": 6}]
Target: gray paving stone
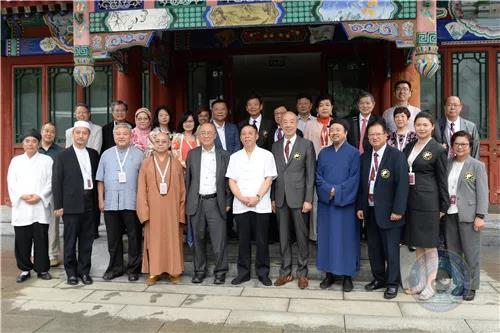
[
  {"x": 53, "y": 308},
  {"x": 462, "y": 311},
  {"x": 188, "y": 315},
  {"x": 52, "y": 294},
  {"x": 237, "y": 303},
  {"x": 207, "y": 328},
  {"x": 35, "y": 282},
  {"x": 10, "y": 304},
  {"x": 195, "y": 289},
  {"x": 387, "y": 324},
  {"x": 285, "y": 320},
  {"x": 115, "y": 286},
  {"x": 344, "y": 307},
  {"x": 377, "y": 296},
  {"x": 137, "y": 298},
  {"x": 100, "y": 324},
  {"x": 291, "y": 293},
  {"x": 484, "y": 326},
  {"x": 21, "y": 323}
]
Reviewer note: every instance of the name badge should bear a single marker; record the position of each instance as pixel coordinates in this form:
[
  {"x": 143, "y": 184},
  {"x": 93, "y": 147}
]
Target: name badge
[
  {"x": 453, "y": 199},
  {"x": 411, "y": 178},
  {"x": 371, "y": 188},
  {"x": 122, "y": 177},
  {"x": 163, "y": 188}
]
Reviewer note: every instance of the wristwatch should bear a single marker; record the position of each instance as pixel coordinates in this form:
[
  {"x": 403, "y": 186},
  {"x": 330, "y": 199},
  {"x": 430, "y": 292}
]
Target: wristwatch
[
  {"x": 258, "y": 196},
  {"x": 481, "y": 216}
]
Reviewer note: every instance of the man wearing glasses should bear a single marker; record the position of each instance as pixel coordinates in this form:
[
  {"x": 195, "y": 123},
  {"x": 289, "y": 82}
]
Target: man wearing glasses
[{"x": 402, "y": 94}]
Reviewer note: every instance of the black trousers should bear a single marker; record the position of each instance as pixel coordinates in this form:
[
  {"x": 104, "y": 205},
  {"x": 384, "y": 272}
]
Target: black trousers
[
  {"x": 119, "y": 222},
  {"x": 248, "y": 223},
  {"x": 383, "y": 251},
  {"x": 36, "y": 235},
  {"x": 79, "y": 228}
]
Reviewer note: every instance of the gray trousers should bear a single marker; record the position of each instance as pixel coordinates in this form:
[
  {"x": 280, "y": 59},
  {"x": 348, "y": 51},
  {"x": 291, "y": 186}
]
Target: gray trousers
[
  {"x": 54, "y": 242},
  {"x": 465, "y": 243},
  {"x": 208, "y": 215},
  {"x": 287, "y": 215}
]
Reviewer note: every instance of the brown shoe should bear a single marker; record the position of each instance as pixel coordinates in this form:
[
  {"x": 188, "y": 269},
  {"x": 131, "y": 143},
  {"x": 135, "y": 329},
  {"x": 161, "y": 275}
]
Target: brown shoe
[
  {"x": 283, "y": 280},
  {"x": 174, "y": 279},
  {"x": 151, "y": 280},
  {"x": 303, "y": 282}
]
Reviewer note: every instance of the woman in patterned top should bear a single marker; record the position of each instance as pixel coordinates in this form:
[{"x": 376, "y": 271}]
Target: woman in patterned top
[{"x": 402, "y": 136}]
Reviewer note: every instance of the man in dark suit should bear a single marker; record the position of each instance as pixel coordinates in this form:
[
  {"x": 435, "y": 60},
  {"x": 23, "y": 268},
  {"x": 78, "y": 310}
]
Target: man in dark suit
[
  {"x": 75, "y": 199},
  {"x": 119, "y": 113},
  {"x": 292, "y": 196},
  {"x": 452, "y": 123},
  {"x": 254, "y": 106},
  {"x": 359, "y": 123},
  {"x": 382, "y": 197},
  {"x": 208, "y": 200}
]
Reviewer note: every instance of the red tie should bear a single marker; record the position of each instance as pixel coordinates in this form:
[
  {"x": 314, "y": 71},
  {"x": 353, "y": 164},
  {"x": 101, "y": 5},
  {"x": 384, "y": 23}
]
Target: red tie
[
  {"x": 280, "y": 134},
  {"x": 373, "y": 172},
  {"x": 362, "y": 135},
  {"x": 287, "y": 150},
  {"x": 451, "y": 153}
]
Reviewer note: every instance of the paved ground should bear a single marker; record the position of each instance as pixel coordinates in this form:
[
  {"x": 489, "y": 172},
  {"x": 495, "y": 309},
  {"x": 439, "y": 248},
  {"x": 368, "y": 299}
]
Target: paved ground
[{"x": 122, "y": 306}]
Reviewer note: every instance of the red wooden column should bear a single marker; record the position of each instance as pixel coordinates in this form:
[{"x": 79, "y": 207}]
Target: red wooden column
[
  {"x": 408, "y": 72},
  {"x": 160, "y": 93},
  {"x": 129, "y": 83}
]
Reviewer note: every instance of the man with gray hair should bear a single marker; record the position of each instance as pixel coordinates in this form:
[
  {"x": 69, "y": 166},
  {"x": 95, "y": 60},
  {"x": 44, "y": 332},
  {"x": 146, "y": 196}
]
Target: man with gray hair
[{"x": 117, "y": 187}]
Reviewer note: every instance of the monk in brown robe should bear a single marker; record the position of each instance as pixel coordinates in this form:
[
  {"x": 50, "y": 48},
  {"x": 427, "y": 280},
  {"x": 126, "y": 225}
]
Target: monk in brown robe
[{"x": 160, "y": 208}]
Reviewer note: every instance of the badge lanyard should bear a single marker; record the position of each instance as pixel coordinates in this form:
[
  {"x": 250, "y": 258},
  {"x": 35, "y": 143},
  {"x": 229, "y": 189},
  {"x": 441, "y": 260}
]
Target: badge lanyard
[
  {"x": 163, "y": 184},
  {"x": 400, "y": 148},
  {"x": 122, "y": 177},
  {"x": 87, "y": 173}
]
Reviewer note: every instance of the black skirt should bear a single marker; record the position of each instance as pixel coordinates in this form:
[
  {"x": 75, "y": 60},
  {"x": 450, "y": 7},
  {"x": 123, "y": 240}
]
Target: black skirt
[{"x": 422, "y": 228}]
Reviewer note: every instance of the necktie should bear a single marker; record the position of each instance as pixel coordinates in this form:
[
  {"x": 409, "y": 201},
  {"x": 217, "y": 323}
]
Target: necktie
[
  {"x": 287, "y": 150},
  {"x": 451, "y": 153},
  {"x": 254, "y": 122},
  {"x": 373, "y": 172},
  {"x": 362, "y": 135},
  {"x": 280, "y": 133}
]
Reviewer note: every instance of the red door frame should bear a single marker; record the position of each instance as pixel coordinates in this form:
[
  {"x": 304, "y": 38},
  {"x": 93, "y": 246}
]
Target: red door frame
[{"x": 489, "y": 147}]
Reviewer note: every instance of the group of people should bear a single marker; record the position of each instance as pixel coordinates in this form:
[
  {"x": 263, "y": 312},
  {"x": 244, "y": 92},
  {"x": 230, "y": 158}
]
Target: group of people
[{"x": 399, "y": 177}]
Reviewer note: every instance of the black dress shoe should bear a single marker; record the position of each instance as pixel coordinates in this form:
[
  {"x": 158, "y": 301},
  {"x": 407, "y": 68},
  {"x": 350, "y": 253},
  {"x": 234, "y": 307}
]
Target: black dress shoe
[
  {"x": 458, "y": 291},
  {"x": 44, "y": 276},
  {"x": 327, "y": 281},
  {"x": 220, "y": 279},
  {"x": 22, "y": 277},
  {"x": 469, "y": 295},
  {"x": 72, "y": 280},
  {"x": 390, "y": 292},
  {"x": 240, "y": 279},
  {"x": 108, "y": 276},
  {"x": 374, "y": 285},
  {"x": 347, "y": 284},
  {"x": 133, "y": 276},
  {"x": 198, "y": 278},
  {"x": 265, "y": 280},
  {"x": 86, "y": 279}
]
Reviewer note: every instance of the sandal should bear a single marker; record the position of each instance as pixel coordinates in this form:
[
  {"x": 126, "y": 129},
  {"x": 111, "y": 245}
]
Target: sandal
[
  {"x": 427, "y": 293},
  {"x": 411, "y": 291},
  {"x": 151, "y": 280}
]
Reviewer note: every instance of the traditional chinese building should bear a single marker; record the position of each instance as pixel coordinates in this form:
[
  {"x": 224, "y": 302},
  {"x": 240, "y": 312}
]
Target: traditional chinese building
[{"x": 185, "y": 53}]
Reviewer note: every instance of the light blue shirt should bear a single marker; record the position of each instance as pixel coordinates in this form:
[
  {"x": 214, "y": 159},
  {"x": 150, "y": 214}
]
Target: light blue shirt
[{"x": 119, "y": 196}]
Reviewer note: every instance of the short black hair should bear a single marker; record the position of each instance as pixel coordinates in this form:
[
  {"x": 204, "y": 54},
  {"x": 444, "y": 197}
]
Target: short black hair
[
  {"x": 278, "y": 106},
  {"x": 249, "y": 125},
  {"x": 202, "y": 108},
  {"x": 217, "y": 101},
  {"x": 254, "y": 95},
  {"x": 426, "y": 115},
  {"x": 322, "y": 98},
  {"x": 156, "y": 122},
  {"x": 363, "y": 94},
  {"x": 463, "y": 134},
  {"x": 342, "y": 122},
  {"x": 303, "y": 95},
  {"x": 401, "y": 109},
  {"x": 182, "y": 120},
  {"x": 82, "y": 104},
  {"x": 380, "y": 123},
  {"x": 402, "y": 82},
  {"x": 119, "y": 102}
]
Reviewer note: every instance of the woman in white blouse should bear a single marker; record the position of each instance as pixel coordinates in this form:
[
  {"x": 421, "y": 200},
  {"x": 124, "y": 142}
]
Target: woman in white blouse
[{"x": 29, "y": 181}]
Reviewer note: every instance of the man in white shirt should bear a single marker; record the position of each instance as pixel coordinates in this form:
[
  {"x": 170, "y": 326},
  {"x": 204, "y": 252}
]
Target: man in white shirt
[
  {"x": 29, "y": 182},
  {"x": 402, "y": 94},
  {"x": 95, "y": 140},
  {"x": 251, "y": 172},
  {"x": 304, "y": 107}
]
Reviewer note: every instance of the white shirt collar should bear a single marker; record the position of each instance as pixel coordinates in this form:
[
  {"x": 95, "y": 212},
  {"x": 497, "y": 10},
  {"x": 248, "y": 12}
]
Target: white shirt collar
[
  {"x": 257, "y": 120},
  {"x": 292, "y": 139},
  {"x": 380, "y": 152},
  {"x": 456, "y": 122},
  {"x": 363, "y": 117},
  {"x": 79, "y": 149},
  {"x": 217, "y": 125},
  {"x": 208, "y": 151}
]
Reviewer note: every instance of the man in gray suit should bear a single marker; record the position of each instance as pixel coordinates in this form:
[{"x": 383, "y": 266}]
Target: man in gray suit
[
  {"x": 452, "y": 123},
  {"x": 208, "y": 200},
  {"x": 292, "y": 197},
  {"x": 468, "y": 189}
]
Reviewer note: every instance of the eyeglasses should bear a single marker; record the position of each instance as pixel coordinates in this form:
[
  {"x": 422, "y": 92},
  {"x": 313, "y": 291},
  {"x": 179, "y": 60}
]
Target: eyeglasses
[
  {"x": 376, "y": 134},
  {"x": 207, "y": 133},
  {"x": 461, "y": 145}
]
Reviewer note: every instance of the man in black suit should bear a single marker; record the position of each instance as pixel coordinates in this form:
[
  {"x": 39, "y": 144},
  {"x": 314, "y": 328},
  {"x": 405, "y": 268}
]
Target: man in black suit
[
  {"x": 382, "y": 197},
  {"x": 208, "y": 199},
  {"x": 359, "y": 123},
  {"x": 75, "y": 199},
  {"x": 254, "y": 106},
  {"x": 119, "y": 113}
]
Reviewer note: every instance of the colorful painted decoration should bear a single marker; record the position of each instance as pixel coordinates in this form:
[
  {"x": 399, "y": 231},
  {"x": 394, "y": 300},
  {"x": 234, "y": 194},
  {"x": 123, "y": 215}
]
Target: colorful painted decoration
[
  {"x": 61, "y": 28},
  {"x": 133, "y": 20},
  {"x": 401, "y": 32},
  {"x": 477, "y": 17},
  {"x": 353, "y": 10},
  {"x": 111, "y": 42},
  {"x": 260, "y": 13}
]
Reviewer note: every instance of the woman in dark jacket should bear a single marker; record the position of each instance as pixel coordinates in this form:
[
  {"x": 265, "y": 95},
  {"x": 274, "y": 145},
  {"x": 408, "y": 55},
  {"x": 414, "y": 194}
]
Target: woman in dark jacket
[{"x": 427, "y": 202}]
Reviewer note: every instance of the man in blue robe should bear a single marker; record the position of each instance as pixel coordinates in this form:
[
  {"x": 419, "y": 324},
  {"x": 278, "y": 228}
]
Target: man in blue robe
[{"x": 337, "y": 180}]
